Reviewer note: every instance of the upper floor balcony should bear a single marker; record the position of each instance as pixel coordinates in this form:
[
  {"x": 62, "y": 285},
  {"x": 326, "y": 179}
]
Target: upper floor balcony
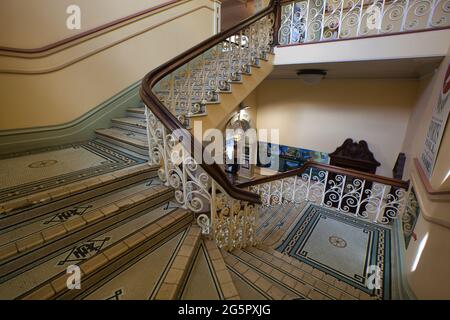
[
  {"x": 325, "y": 20},
  {"x": 415, "y": 29}
]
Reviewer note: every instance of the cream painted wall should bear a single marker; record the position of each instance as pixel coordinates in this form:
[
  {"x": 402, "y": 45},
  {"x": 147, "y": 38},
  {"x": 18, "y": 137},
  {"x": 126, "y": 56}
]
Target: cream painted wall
[
  {"x": 427, "y": 260},
  {"x": 88, "y": 74},
  {"x": 321, "y": 117},
  {"x": 32, "y": 24},
  {"x": 429, "y": 90}
]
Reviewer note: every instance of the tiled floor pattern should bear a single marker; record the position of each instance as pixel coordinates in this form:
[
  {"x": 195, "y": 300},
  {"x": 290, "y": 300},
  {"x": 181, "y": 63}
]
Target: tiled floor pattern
[
  {"x": 138, "y": 281},
  {"x": 275, "y": 221},
  {"x": 343, "y": 246},
  {"x": 28, "y": 173},
  {"x": 54, "y": 264},
  {"x": 58, "y": 217},
  {"x": 264, "y": 273},
  {"x": 104, "y": 266}
]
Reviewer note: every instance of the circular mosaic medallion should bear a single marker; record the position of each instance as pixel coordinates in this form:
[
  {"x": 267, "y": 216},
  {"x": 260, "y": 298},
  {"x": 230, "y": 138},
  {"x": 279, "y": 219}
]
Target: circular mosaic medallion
[
  {"x": 42, "y": 164},
  {"x": 337, "y": 242}
]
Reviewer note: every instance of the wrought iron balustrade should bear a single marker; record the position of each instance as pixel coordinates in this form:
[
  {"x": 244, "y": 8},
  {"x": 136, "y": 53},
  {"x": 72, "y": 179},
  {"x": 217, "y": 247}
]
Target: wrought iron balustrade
[
  {"x": 322, "y": 20},
  {"x": 180, "y": 90},
  {"x": 229, "y": 221},
  {"x": 369, "y": 197}
]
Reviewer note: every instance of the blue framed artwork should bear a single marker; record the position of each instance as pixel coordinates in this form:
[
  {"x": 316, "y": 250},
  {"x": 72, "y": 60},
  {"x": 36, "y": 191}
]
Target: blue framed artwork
[{"x": 284, "y": 158}]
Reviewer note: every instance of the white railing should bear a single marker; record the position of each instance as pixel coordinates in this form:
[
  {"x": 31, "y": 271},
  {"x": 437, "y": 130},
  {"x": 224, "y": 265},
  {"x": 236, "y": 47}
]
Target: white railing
[
  {"x": 321, "y": 20},
  {"x": 187, "y": 90},
  {"x": 185, "y": 93},
  {"x": 365, "y": 199},
  {"x": 230, "y": 222}
]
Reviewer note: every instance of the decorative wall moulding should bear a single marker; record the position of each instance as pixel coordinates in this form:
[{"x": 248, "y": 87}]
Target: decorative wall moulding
[{"x": 62, "y": 44}]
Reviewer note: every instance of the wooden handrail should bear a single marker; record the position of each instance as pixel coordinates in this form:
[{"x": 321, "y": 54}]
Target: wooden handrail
[
  {"x": 87, "y": 33},
  {"x": 174, "y": 125},
  {"x": 329, "y": 168}
]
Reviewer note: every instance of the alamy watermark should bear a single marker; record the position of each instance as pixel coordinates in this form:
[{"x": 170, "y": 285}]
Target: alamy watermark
[
  {"x": 234, "y": 146},
  {"x": 73, "y": 281},
  {"x": 73, "y": 21},
  {"x": 374, "y": 277}
]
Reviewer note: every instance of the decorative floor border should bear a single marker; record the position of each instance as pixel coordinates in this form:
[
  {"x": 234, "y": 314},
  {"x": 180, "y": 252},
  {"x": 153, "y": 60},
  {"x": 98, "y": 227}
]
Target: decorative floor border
[{"x": 379, "y": 251}]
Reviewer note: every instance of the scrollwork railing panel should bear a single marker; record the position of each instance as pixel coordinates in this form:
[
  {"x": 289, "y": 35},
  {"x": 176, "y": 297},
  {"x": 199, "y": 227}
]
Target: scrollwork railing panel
[
  {"x": 320, "y": 20},
  {"x": 364, "y": 199}
]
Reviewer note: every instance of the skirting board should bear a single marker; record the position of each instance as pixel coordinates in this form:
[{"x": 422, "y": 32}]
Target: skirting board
[{"x": 80, "y": 129}]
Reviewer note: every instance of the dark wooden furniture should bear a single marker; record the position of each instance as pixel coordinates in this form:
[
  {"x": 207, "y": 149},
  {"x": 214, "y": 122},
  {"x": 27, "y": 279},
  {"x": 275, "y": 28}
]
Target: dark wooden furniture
[{"x": 354, "y": 155}]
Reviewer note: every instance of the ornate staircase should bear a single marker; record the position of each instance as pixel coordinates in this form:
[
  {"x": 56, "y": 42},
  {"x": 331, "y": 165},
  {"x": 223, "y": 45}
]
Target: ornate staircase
[{"x": 142, "y": 237}]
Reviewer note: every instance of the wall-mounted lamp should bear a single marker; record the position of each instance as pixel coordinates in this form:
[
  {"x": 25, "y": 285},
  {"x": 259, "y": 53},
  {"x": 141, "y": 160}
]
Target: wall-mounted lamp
[{"x": 311, "y": 76}]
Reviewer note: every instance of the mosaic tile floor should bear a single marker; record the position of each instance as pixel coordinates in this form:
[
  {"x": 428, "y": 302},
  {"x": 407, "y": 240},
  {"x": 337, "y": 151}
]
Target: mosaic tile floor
[
  {"x": 13, "y": 286},
  {"x": 343, "y": 247},
  {"x": 29, "y": 172}
]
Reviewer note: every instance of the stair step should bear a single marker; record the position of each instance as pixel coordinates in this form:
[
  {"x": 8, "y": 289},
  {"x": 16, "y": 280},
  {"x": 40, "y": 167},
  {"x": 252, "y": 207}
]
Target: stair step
[
  {"x": 127, "y": 139},
  {"x": 275, "y": 221},
  {"x": 266, "y": 284},
  {"x": 31, "y": 207},
  {"x": 51, "y": 224},
  {"x": 130, "y": 123},
  {"x": 210, "y": 270},
  {"x": 138, "y": 112},
  {"x": 36, "y": 247},
  {"x": 224, "y": 280},
  {"x": 174, "y": 277},
  {"x": 101, "y": 268},
  {"x": 313, "y": 278}
]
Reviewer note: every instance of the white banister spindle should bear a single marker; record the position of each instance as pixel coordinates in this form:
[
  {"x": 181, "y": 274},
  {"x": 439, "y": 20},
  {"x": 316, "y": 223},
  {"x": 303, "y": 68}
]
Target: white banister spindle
[
  {"x": 322, "y": 25},
  {"x": 380, "y": 204},
  {"x": 292, "y": 27},
  {"x": 405, "y": 15},
  {"x": 325, "y": 183},
  {"x": 361, "y": 10},
  {"x": 363, "y": 184},
  {"x": 184, "y": 177},
  {"x": 165, "y": 155},
  {"x": 341, "y": 194},
  {"x": 308, "y": 187},
  {"x": 341, "y": 13},
  {"x": 305, "y": 39}
]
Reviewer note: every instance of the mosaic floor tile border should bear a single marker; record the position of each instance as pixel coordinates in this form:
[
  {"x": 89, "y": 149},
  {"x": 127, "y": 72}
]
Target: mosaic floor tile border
[{"x": 378, "y": 250}]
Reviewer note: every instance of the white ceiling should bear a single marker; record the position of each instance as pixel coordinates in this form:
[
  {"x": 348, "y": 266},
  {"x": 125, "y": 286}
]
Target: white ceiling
[{"x": 380, "y": 69}]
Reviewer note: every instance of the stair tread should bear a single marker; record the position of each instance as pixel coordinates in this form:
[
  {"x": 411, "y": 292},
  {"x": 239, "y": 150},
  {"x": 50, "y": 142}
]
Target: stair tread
[
  {"x": 65, "y": 236},
  {"x": 265, "y": 284},
  {"x": 131, "y": 235},
  {"x": 311, "y": 277},
  {"x": 176, "y": 275},
  {"x": 45, "y": 196},
  {"x": 137, "y": 122},
  {"x": 133, "y": 138},
  {"x": 51, "y": 225},
  {"x": 140, "y": 110}
]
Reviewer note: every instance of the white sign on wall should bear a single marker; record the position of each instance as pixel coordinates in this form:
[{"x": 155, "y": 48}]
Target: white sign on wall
[{"x": 437, "y": 127}]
